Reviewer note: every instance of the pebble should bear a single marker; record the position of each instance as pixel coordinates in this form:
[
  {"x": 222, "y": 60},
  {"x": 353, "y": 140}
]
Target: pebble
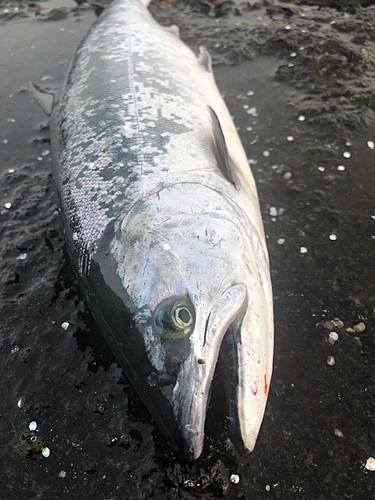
[
  {"x": 303, "y": 250},
  {"x": 287, "y": 27},
  {"x": 332, "y": 237},
  {"x": 346, "y": 154},
  {"x": 21, "y": 402},
  {"x": 273, "y": 211},
  {"x": 370, "y": 464},
  {"x": 252, "y": 162},
  {"x": 321, "y": 169},
  {"x": 14, "y": 349},
  {"x": 45, "y": 152},
  {"x": 21, "y": 256},
  {"x": 341, "y": 168},
  {"x": 371, "y": 144},
  {"x": 252, "y": 111},
  {"x": 333, "y": 337},
  {"x": 61, "y": 474},
  {"x": 65, "y": 325},
  {"x": 266, "y": 153},
  {"x": 5, "y": 141},
  {"x": 234, "y": 478},
  {"x": 11, "y": 120},
  {"x": 338, "y": 433},
  {"x": 251, "y": 92},
  {"x": 331, "y": 360},
  {"x": 293, "y": 54},
  {"x": 290, "y": 138},
  {"x": 33, "y": 425},
  {"x": 11, "y": 170},
  {"x": 302, "y": 118},
  {"x": 287, "y": 175},
  {"x": 268, "y": 487},
  {"x": 46, "y": 452},
  {"x": 361, "y": 327},
  {"x": 281, "y": 241},
  {"x": 7, "y": 205}
]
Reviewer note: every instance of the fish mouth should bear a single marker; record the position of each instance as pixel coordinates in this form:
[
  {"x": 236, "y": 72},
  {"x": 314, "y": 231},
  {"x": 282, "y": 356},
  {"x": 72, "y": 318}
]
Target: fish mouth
[{"x": 228, "y": 344}]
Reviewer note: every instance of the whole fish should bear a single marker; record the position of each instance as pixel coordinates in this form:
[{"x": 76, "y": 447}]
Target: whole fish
[{"x": 163, "y": 224}]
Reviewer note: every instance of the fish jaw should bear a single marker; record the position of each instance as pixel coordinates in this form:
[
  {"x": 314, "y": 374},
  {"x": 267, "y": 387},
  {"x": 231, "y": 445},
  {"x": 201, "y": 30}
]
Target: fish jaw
[
  {"x": 190, "y": 394},
  {"x": 242, "y": 346}
]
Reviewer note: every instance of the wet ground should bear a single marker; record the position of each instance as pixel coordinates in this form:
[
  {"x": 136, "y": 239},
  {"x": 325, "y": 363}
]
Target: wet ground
[{"x": 301, "y": 90}]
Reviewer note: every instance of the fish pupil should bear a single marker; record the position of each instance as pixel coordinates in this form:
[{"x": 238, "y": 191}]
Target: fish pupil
[{"x": 184, "y": 315}]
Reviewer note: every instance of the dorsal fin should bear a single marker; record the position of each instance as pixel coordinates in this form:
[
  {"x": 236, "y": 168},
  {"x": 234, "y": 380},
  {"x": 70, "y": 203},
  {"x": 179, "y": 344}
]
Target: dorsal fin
[
  {"x": 43, "y": 98},
  {"x": 220, "y": 148},
  {"x": 204, "y": 59}
]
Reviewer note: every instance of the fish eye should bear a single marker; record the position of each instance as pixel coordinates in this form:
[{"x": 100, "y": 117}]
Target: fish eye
[{"x": 174, "y": 318}]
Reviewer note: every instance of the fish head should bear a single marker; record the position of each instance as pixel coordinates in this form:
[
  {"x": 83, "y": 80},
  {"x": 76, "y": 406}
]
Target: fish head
[{"x": 197, "y": 282}]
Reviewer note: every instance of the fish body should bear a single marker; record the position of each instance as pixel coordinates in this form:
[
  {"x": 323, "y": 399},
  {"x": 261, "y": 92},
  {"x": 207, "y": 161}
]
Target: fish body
[{"x": 163, "y": 224}]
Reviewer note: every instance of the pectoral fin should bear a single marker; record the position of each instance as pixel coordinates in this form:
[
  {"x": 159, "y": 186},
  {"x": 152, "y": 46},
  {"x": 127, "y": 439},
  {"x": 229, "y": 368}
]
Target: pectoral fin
[
  {"x": 220, "y": 149},
  {"x": 43, "y": 98}
]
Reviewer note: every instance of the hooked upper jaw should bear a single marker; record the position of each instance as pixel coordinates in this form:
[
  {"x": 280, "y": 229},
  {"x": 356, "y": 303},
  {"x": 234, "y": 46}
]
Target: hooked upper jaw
[
  {"x": 242, "y": 379},
  {"x": 245, "y": 377}
]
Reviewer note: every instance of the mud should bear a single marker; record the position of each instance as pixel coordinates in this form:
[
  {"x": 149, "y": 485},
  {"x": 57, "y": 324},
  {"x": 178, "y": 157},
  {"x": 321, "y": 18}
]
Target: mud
[{"x": 318, "y": 430}]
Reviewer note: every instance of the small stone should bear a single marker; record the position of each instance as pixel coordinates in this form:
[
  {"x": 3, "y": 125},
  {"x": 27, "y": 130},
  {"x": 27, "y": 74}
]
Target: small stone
[
  {"x": 371, "y": 145},
  {"x": 290, "y": 138},
  {"x": 331, "y": 360},
  {"x": 45, "y": 152},
  {"x": 268, "y": 487},
  {"x": 11, "y": 120},
  {"x": 332, "y": 237},
  {"x": 338, "y": 433},
  {"x": 21, "y": 402},
  {"x": 21, "y": 256},
  {"x": 235, "y": 479},
  {"x": 250, "y": 92},
  {"x": 321, "y": 169},
  {"x": 370, "y": 464},
  {"x": 266, "y": 153},
  {"x": 303, "y": 250},
  {"x": 33, "y": 425},
  {"x": 252, "y": 162},
  {"x": 333, "y": 337},
  {"x": 65, "y": 325},
  {"x": 5, "y": 141},
  {"x": 341, "y": 168},
  {"x": 281, "y": 241},
  {"x": 252, "y": 111},
  {"x": 293, "y": 54},
  {"x": 361, "y": 327},
  {"x": 46, "y": 452},
  {"x": 287, "y": 175},
  {"x": 302, "y": 118},
  {"x": 61, "y": 474},
  {"x": 346, "y": 154},
  {"x": 290, "y": 65},
  {"x": 46, "y": 77},
  {"x": 287, "y": 27},
  {"x": 11, "y": 170},
  {"x": 334, "y": 323},
  {"x": 14, "y": 349},
  {"x": 273, "y": 211},
  {"x": 249, "y": 129},
  {"x": 7, "y": 205},
  {"x": 40, "y": 158}
]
